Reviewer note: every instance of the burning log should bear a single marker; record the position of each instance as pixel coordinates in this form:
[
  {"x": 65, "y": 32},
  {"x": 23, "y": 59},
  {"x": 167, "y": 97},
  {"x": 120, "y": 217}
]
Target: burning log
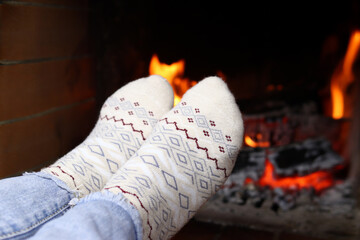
[
  {"x": 287, "y": 126},
  {"x": 304, "y": 158},
  {"x": 295, "y": 166}
]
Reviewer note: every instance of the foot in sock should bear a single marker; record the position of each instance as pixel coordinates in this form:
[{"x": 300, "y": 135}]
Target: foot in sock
[
  {"x": 126, "y": 119},
  {"x": 184, "y": 161}
]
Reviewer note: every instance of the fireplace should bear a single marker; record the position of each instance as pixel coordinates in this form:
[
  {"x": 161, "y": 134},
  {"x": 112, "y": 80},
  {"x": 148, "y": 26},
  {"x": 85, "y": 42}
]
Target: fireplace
[
  {"x": 287, "y": 65},
  {"x": 298, "y": 170}
]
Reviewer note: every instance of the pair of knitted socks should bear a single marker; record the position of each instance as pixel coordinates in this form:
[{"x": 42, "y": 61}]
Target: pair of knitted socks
[{"x": 165, "y": 162}]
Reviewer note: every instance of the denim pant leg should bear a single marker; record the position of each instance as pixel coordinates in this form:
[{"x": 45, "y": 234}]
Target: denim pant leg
[
  {"x": 29, "y": 201},
  {"x": 97, "y": 216}
]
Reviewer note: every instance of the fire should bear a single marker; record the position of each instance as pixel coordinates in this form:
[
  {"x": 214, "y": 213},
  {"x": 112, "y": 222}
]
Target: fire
[
  {"x": 248, "y": 140},
  {"x": 343, "y": 76},
  {"x": 174, "y": 74},
  {"x": 319, "y": 180}
]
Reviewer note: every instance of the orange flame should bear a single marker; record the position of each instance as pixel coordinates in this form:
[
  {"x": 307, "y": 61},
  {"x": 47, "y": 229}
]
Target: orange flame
[
  {"x": 254, "y": 144},
  {"x": 343, "y": 76},
  {"x": 174, "y": 74},
  {"x": 319, "y": 180}
]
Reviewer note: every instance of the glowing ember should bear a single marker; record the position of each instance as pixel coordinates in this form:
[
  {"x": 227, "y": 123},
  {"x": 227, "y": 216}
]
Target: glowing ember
[
  {"x": 343, "y": 76},
  {"x": 319, "y": 180},
  {"x": 174, "y": 74},
  {"x": 254, "y": 144}
]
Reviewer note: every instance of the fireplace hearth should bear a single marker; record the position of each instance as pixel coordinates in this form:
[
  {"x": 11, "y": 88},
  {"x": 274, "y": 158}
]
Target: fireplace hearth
[{"x": 291, "y": 175}]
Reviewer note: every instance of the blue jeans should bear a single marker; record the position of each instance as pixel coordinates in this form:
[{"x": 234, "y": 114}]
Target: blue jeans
[{"x": 40, "y": 206}]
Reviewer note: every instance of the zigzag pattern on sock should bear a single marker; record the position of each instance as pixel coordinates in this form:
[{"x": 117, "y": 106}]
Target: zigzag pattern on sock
[
  {"x": 126, "y": 119},
  {"x": 109, "y": 145},
  {"x": 175, "y": 171}
]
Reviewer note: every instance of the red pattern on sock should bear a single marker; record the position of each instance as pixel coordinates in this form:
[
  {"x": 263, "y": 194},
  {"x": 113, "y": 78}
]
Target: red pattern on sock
[
  {"x": 197, "y": 144},
  {"x": 125, "y": 124},
  {"x": 68, "y": 175}
]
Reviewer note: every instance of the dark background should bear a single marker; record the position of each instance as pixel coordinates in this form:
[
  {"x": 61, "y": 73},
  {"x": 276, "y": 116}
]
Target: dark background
[{"x": 296, "y": 43}]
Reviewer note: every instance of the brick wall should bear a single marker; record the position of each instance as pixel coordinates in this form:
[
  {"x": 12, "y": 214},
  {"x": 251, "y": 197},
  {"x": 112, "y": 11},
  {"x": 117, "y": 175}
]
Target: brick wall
[{"x": 47, "y": 86}]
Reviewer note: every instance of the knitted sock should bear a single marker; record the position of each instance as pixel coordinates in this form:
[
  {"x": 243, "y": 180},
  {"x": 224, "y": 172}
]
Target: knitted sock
[
  {"x": 184, "y": 161},
  {"x": 126, "y": 119}
]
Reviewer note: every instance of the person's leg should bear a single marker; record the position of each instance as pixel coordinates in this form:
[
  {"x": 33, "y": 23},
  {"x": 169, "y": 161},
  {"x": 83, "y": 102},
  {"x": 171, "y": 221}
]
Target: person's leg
[
  {"x": 29, "y": 201},
  {"x": 126, "y": 119},
  {"x": 184, "y": 161},
  {"x": 97, "y": 216}
]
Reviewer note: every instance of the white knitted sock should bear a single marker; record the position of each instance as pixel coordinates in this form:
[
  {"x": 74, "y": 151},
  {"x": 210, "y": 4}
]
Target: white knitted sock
[
  {"x": 184, "y": 161},
  {"x": 126, "y": 119}
]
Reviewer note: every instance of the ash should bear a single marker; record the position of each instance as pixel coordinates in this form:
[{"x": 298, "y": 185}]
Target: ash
[
  {"x": 294, "y": 159},
  {"x": 330, "y": 214},
  {"x": 338, "y": 199}
]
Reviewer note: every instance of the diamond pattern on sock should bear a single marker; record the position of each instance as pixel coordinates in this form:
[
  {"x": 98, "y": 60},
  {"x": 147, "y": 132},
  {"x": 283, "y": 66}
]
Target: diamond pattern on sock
[
  {"x": 113, "y": 166},
  {"x": 170, "y": 180},
  {"x": 96, "y": 149},
  {"x": 126, "y": 119},
  {"x": 182, "y": 167}
]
